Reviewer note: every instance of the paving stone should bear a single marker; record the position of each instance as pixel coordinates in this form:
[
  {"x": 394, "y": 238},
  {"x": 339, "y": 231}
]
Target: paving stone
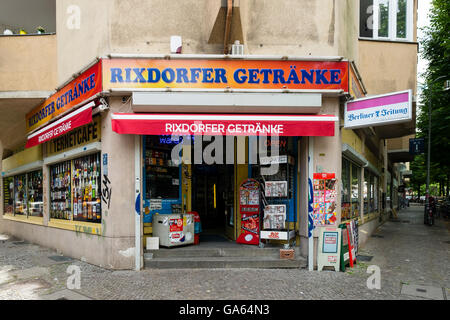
[
  {"x": 407, "y": 254},
  {"x": 428, "y": 292}
]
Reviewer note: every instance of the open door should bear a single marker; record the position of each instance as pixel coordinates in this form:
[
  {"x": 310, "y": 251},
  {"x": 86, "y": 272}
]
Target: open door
[{"x": 240, "y": 174}]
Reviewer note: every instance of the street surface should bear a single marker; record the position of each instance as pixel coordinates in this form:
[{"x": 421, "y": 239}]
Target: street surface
[{"x": 407, "y": 252}]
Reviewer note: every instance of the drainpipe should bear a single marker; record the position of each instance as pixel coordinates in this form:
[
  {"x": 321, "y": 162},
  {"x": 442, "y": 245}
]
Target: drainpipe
[
  {"x": 1, "y": 181},
  {"x": 227, "y": 26},
  {"x": 310, "y": 177},
  {"x": 138, "y": 198}
]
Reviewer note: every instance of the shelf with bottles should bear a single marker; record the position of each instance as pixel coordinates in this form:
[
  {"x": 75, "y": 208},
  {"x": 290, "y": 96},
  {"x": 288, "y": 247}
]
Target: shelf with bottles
[
  {"x": 8, "y": 195},
  {"x": 60, "y": 191},
  {"x": 35, "y": 202},
  {"x": 20, "y": 195},
  {"x": 87, "y": 188},
  {"x": 159, "y": 158}
]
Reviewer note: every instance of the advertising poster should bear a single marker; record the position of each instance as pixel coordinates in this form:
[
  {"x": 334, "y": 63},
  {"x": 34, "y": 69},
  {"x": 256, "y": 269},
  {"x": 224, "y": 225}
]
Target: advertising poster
[
  {"x": 329, "y": 248},
  {"x": 330, "y": 242},
  {"x": 249, "y": 201},
  {"x": 276, "y": 189},
  {"x": 274, "y": 217},
  {"x": 175, "y": 225},
  {"x": 325, "y": 197}
]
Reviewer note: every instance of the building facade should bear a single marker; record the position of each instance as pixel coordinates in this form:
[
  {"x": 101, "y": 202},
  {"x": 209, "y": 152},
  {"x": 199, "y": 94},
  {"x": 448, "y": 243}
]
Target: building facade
[{"x": 88, "y": 166}]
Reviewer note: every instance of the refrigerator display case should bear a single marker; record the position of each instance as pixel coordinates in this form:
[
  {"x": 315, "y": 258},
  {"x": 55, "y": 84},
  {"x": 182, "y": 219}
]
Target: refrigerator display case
[{"x": 174, "y": 229}]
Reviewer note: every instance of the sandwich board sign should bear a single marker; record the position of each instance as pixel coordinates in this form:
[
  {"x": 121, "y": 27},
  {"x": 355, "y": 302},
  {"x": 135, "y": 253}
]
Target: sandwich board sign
[
  {"x": 345, "y": 257},
  {"x": 329, "y": 249}
]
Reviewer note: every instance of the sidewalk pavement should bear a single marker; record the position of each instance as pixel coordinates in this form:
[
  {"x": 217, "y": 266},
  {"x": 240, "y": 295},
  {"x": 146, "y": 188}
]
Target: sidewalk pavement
[{"x": 413, "y": 259}]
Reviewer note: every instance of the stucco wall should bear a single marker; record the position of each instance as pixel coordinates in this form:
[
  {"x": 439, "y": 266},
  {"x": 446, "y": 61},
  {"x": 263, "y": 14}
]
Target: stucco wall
[
  {"x": 119, "y": 148},
  {"x": 388, "y": 66},
  {"x": 328, "y": 150},
  {"x": 399, "y": 143},
  {"x": 115, "y": 247},
  {"x": 28, "y": 63},
  {"x": 282, "y": 27},
  {"x": 78, "y": 47}
]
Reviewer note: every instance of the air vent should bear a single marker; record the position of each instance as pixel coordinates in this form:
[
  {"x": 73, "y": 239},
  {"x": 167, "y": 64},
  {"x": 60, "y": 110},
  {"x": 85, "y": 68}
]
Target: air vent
[{"x": 237, "y": 48}]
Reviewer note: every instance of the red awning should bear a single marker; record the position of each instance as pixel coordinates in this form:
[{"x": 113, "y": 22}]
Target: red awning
[
  {"x": 224, "y": 124},
  {"x": 73, "y": 120}
]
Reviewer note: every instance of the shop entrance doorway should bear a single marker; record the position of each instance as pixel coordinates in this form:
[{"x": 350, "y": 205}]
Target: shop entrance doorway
[{"x": 213, "y": 199}]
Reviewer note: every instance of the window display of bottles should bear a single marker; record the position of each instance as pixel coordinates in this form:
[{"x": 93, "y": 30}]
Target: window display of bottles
[
  {"x": 86, "y": 189},
  {"x": 76, "y": 190},
  {"x": 60, "y": 191},
  {"x": 8, "y": 195},
  {"x": 20, "y": 194},
  {"x": 35, "y": 202}
]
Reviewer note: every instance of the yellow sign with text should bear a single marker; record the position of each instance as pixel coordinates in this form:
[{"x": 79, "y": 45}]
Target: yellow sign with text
[{"x": 76, "y": 138}]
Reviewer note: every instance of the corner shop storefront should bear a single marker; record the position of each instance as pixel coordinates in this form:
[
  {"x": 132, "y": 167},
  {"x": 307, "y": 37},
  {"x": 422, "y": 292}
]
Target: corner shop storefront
[{"x": 293, "y": 91}]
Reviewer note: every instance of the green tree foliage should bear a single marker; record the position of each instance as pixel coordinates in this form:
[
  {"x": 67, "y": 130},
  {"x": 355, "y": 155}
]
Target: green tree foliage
[
  {"x": 436, "y": 49},
  {"x": 401, "y": 19}
]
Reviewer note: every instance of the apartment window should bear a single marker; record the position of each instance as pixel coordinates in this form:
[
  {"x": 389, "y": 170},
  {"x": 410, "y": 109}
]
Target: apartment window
[{"x": 386, "y": 19}]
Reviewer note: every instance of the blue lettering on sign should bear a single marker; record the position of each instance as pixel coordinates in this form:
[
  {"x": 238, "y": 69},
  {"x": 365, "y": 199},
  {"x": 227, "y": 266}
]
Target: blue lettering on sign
[
  {"x": 219, "y": 75},
  {"x": 153, "y": 75},
  {"x": 377, "y": 114},
  {"x": 79, "y": 88}
]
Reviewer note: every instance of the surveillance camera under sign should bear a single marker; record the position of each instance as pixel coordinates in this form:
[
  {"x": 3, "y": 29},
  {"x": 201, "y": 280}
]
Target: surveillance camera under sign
[{"x": 175, "y": 44}]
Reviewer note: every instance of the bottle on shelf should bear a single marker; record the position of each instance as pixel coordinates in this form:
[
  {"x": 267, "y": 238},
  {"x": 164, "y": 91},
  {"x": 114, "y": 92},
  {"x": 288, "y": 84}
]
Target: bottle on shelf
[
  {"x": 98, "y": 210},
  {"x": 84, "y": 210}
]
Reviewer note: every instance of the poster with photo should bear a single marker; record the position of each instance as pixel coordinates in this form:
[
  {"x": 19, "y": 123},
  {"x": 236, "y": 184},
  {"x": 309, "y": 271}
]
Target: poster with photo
[
  {"x": 276, "y": 189},
  {"x": 249, "y": 209},
  {"x": 274, "y": 217},
  {"x": 325, "y": 197}
]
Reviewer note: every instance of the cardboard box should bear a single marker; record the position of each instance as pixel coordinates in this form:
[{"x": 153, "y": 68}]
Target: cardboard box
[
  {"x": 287, "y": 254},
  {"x": 152, "y": 243}
]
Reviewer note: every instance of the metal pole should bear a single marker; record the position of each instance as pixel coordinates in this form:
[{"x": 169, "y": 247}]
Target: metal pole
[
  {"x": 430, "y": 87},
  {"x": 429, "y": 152},
  {"x": 310, "y": 176},
  {"x": 138, "y": 198}
]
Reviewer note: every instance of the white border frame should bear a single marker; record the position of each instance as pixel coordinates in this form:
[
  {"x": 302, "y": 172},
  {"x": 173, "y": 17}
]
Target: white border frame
[{"x": 384, "y": 123}]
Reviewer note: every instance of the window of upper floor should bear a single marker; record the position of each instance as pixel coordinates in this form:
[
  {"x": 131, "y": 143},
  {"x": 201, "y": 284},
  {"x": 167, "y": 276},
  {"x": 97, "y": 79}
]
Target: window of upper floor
[
  {"x": 25, "y": 17},
  {"x": 390, "y": 20}
]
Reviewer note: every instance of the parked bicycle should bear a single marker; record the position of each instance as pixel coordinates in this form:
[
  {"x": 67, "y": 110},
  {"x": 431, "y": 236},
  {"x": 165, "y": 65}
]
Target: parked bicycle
[{"x": 430, "y": 212}]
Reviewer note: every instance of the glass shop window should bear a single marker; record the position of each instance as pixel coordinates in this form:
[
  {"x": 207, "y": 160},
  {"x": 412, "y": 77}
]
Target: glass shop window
[
  {"x": 8, "y": 195},
  {"x": 35, "y": 199},
  {"x": 20, "y": 194},
  {"x": 346, "y": 191},
  {"x": 86, "y": 184},
  {"x": 162, "y": 175},
  {"x": 60, "y": 191},
  {"x": 356, "y": 187}
]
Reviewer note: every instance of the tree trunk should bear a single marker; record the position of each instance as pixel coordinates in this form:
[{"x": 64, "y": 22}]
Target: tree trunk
[{"x": 448, "y": 184}]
